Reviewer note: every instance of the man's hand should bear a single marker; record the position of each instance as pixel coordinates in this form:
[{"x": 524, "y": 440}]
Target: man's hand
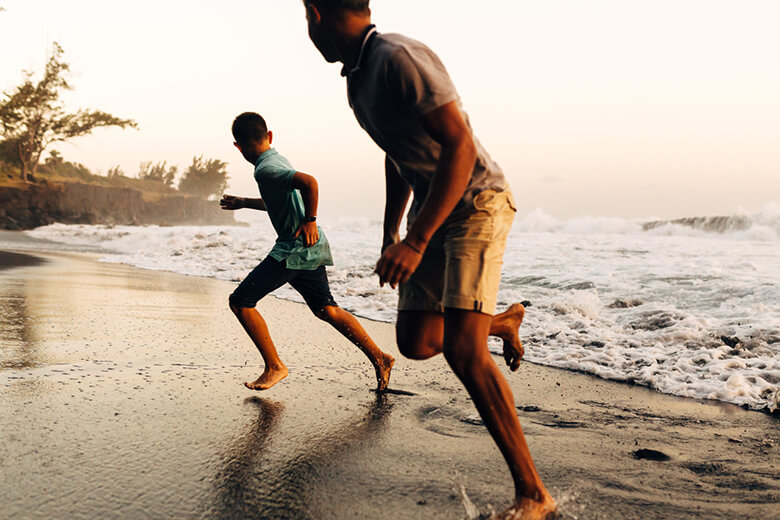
[
  {"x": 397, "y": 264},
  {"x": 388, "y": 240},
  {"x": 231, "y": 202},
  {"x": 310, "y": 233}
]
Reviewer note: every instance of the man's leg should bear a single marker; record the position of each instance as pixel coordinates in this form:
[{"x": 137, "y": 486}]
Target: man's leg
[
  {"x": 351, "y": 329},
  {"x": 420, "y": 334},
  {"x": 465, "y": 348},
  {"x": 255, "y": 326}
]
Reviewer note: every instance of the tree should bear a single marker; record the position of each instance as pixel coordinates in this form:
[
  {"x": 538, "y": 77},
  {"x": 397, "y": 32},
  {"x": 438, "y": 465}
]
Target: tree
[
  {"x": 204, "y": 177},
  {"x": 54, "y": 161},
  {"x": 33, "y": 117},
  {"x": 159, "y": 172},
  {"x": 115, "y": 172}
]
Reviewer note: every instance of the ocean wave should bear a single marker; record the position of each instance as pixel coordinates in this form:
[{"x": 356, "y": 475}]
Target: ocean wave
[
  {"x": 762, "y": 226},
  {"x": 608, "y": 298}
]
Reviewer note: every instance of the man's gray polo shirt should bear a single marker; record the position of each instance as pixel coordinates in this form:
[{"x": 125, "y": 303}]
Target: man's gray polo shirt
[{"x": 396, "y": 81}]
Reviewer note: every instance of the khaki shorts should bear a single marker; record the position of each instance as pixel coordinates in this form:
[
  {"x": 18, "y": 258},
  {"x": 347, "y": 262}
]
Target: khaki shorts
[{"x": 461, "y": 267}]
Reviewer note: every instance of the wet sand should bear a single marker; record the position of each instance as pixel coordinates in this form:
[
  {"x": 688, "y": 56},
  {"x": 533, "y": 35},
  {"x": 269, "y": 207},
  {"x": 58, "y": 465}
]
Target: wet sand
[{"x": 121, "y": 396}]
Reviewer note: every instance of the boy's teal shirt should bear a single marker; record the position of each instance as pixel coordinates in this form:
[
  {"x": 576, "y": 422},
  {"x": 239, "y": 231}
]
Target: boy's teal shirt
[{"x": 274, "y": 175}]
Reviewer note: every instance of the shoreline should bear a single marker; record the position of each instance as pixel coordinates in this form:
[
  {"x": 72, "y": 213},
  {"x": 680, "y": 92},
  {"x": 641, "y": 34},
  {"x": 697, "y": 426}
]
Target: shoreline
[
  {"x": 18, "y": 238},
  {"x": 123, "y": 387}
]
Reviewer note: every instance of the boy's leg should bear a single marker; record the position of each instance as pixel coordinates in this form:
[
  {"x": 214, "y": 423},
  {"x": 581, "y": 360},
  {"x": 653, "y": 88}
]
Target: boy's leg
[
  {"x": 315, "y": 289},
  {"x": 351, "y": 329},
  {"x": 255, "y": 326},
  {"x": 266, "y": 277}
]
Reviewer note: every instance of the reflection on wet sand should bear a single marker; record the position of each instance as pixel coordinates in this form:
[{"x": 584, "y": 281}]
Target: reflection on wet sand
[
  {"x": 264, "y": 476},
  {"x": 18, "y": 347}
]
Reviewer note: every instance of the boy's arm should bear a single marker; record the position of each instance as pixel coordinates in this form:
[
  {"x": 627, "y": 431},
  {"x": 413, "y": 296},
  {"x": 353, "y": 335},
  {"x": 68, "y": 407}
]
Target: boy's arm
[
  {"x": 397, "y": 193},
  {"x": 309, "y": 189},
  {"x": 232, "y": 202}
]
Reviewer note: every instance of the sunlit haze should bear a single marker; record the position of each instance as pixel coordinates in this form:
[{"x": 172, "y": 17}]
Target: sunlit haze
[{"x": 612, "y": 108}]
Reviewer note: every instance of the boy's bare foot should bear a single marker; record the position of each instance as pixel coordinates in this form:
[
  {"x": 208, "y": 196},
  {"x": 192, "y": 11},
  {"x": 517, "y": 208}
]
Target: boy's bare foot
[
  {"x": 383, "y": 372},
  {"x": 269, "y": 378},
  {"x": 505, "y": 326},
  {"x": 527, "y": 509}
]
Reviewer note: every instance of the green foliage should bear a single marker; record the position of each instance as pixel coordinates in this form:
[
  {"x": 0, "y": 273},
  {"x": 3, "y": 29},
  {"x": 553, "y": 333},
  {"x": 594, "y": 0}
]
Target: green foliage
[
  {"x": 56, "y": 166},
  {"x": 33, "y": 117},
  {"x": 115, "y": 172},
  {"x": 159, "y": 172},
  {"x": 56, "y": 169},
  {"x": 204, "y": 178},
  {"x": 8, "y": 153}
]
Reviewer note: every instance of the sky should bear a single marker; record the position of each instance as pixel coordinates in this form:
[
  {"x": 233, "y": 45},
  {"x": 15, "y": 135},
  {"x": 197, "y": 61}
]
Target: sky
[{"x": 663, "y": 108}]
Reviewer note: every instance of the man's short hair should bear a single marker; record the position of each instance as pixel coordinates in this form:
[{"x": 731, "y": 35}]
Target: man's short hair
[
  {"x": 340, "y": 5},
  {"x": 249, "y": 127}
]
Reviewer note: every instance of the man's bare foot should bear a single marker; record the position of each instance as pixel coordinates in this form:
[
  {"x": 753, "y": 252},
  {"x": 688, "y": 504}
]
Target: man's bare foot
[
  {"x": 527, "y": 509},
  {"x": 505, "y": 326},
  {"x": 269, "y": 378},
  {"x": 383, "y": 372}
]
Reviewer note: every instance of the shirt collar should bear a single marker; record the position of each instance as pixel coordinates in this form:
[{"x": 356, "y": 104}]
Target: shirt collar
[
  {"x": 264, "y": 155},
  {"x": 369, "y": 32}
]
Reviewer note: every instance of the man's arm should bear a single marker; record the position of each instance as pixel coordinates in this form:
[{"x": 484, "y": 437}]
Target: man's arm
[
  {"x": 232, "y": 202},
  {"x": 453, "y": 171},
  {"x": 396, "y": 197},
  {"x": 309, "y": 189}
]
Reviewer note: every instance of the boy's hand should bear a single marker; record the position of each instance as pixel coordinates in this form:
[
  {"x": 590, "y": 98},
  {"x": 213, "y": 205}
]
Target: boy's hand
[
  {"x": 397, "y": 264},
  {"x": 231, "y": 202},
  {"x": 310, "y": 233}
]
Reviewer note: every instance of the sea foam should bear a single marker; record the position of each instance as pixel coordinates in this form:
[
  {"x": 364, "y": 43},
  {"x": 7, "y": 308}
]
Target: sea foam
[{"x": 688, "y": 308}]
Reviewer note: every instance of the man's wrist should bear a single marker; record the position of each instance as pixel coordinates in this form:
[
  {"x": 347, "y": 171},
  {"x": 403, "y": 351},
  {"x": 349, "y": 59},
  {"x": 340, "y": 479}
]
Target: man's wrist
[
  {"x": 309, "y": 219},
  {"x": 410, "y": 246},
  {"x": 415, "y": 243}
]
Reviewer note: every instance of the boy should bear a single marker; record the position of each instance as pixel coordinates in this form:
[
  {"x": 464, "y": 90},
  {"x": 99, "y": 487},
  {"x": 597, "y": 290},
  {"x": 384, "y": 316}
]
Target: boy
[{"x": 298, "y": 257}]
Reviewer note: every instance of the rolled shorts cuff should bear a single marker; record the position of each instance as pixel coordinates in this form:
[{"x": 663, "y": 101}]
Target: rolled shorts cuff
[
  {"x": 469, "y": 304},
  {"x": 411, "y": 300}
]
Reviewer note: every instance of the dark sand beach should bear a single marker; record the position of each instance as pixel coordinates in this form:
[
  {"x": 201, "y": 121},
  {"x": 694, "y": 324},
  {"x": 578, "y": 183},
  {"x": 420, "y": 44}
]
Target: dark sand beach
[{"x": 121, "y": 396}]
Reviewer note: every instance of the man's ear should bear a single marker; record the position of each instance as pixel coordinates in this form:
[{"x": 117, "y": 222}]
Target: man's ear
[
  {"x": 237, "y": 145},
  {"x": 313, "y": 14},
  {"x": 270, "y": 137}
]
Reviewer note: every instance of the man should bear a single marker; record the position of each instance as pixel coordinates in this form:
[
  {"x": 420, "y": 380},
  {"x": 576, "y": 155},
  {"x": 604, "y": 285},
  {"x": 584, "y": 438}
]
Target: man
[{"x": 448, "y": 264}]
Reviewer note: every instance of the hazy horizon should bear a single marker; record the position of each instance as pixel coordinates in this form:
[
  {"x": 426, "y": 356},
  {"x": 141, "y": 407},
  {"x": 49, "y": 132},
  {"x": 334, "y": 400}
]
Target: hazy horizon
[{"x": 662, "y": 109}]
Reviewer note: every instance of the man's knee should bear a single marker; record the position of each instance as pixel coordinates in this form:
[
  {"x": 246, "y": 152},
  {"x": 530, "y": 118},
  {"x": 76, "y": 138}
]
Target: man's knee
[
  {"x": 466, "y": 357},
  {"x": 415, "y": 346},
  {"x": 418, "y": 334}
]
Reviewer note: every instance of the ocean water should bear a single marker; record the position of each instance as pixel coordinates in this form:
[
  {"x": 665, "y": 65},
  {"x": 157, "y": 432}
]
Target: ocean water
[{"x": 689, "y": 308}]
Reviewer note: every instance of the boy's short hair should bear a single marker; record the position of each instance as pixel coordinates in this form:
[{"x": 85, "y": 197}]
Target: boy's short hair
[
  {"x": 249, "y": 127},
  {"x": 339, "y": 5}
]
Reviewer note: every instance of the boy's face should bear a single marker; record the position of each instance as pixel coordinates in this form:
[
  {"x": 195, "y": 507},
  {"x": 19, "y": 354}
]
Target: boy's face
[
  {"x": 247, "y": 151},
  {"x": 251, "y": 150}
]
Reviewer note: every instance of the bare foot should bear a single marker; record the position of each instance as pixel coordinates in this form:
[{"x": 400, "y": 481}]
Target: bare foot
[
  {"x": 505, "y": 326},
  {"x": 269, "y": 378},
  {"x": 527, "y": 509},
  {"x": 383, "y": 372}
]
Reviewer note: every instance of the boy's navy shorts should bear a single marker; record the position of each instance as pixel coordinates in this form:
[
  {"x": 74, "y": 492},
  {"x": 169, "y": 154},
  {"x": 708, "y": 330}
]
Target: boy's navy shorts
[{"x": 271, "y": 274}]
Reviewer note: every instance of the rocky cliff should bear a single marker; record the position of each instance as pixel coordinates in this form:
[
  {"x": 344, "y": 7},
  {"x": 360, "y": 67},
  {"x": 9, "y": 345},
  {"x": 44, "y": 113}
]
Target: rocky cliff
[{"x": 73, "y": 203}]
